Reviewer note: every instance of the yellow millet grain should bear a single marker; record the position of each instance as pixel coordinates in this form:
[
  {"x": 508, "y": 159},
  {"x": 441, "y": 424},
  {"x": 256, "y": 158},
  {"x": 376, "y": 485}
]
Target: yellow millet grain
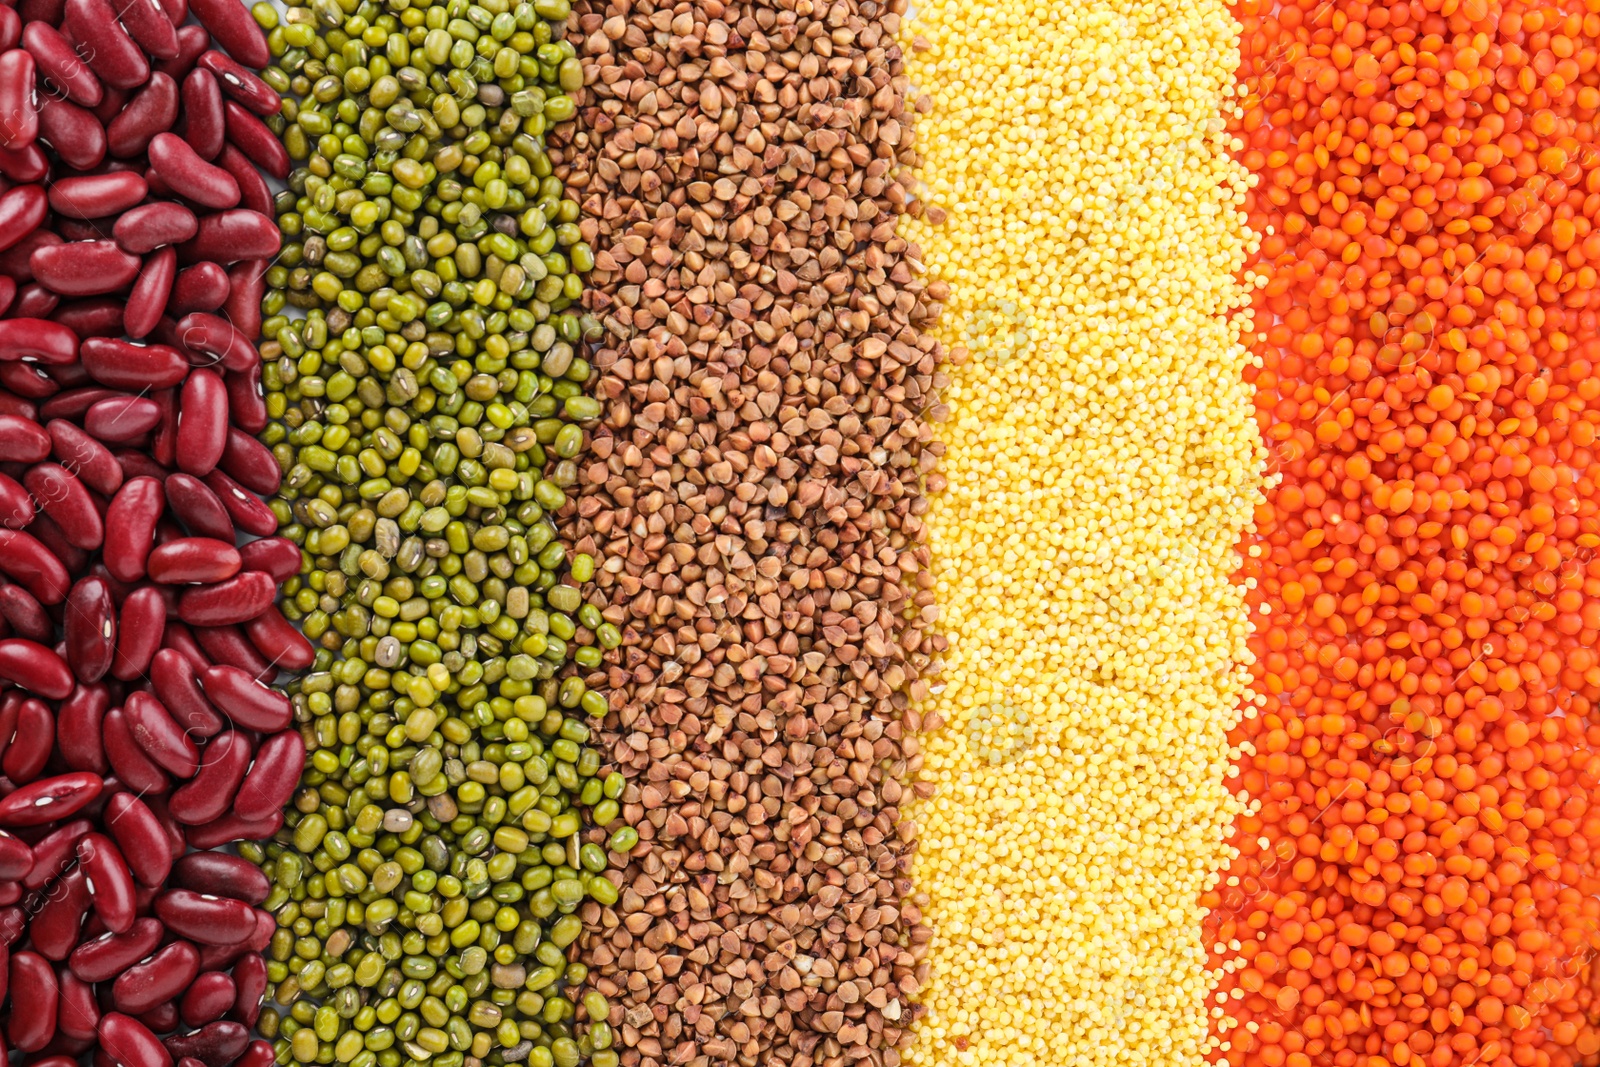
[{"x": 1102, "y": 464}]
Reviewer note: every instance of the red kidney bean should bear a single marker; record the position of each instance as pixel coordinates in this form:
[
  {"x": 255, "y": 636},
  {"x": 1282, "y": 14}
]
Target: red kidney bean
[
  {"x": 132, "y": 764},
  {"x": 202, "y": 422},
  {"x": 131, "y": 527},
  {"x": 210, "y": 793},
  {"x": 65, "y": 499},
  {"x": 141, "y": 837},
  {"x": 180, "y": 639},
  {"x": 193, "y": 559},
  {"x": 37, "y": 339},
  {"x": 93, "y": 196},
  {"x": 16, "y": 260},
  {"x": 22, "y": 440},
  {"x": 16, "y": 506},
  {"x": 16, "y": 860},
  {"x": 161, "y": 1019},
  {"x": 202, "y": 287},
  {"x": 25, "y": 614},
  {"x": 49, "y": 799},
  {"x": 112, "y": 101},
  {"x": 110, "y": 882},
  {"x": 122, "y": 419},
  {"x": 177, "y": 12},
  {"x": 164, "y": 443},
  {"x": 244, "y": 699},
  {"x": 74, "y": 402},
  {"x": 222, "y": 874},
  {"x": 143, "y": 619},
  {"x": 240, "y": 84},
  {"x": 33, "y": 1002},
  {"x": 58, "y": 61},
  {"x": 54, "y": 852},
  {"x": 10, "y": 28},
  {"x": 177, "y": 685},
  {"x": 11, "y": 404},
  {"x": 204, "y": 124},
  {"x": 150, "y": 112},
  {"x": 13, "y": 924},
  {"x": 255, "y": 141},
  {"x": 27, "y": 380},
  {"x": 254, "y": 195},
  {"x": 128, "y": 366},
  {"x": 103, "y": 958},
  {"x": 162, "y": 739},
  {"x": 151, "y": 291},
  {"x": 150, "y": 226},
  {"x": 247, "y": 284},
  {"x": 258, "y": 1053},
  {"x": 19, "y": 118},
  {"x": 197, "y": 507},
  {"x": 280, "y": 641},
  {"x": 156, "y": 980},
  {"x": 50, "y": 537},
  {"x": 147, "y": 23},
  {"x": 202, "y": 917},
  {"x": 250, "y": 979},
  {"x": 27, "y": 164},
  {"x": 192, "y": 40},
  {"x": 66, "y": 375},
  {"x": 208, "y": 998},
  {"x": 8, "y": 286},
  {"x": 22, "y": 211},
  {"x": 137, "y": 464},
  {"x": 72, "y": 131},
  {"x": 84, "y": 268},
  {"x": 273, "y": 777},
  {"x": 129, "y": 1043},
  {"x": 78, "y": 1013},
  {"x": 95, "y": 317},
  {"x": 215, "y": 1044},
  {"x": 112, "y": 53},
  {"x": 228, "y": 646},
  {"x": 210, "y": 335},
  {"x": 233, "y": 27},
  {"x": 248, "y": 513},
  {"x": 77, "y": 451},
  {"x": 31, "y": 745},
  {"x": 58, "y": 916},
  {"x": 246, "y": 400},
  {"x": 35, "y": 668},
  {"x": 183, "y": 170},
  {"x": 90, "y": 626},
  {"x": 78, "y": 728},
  {"x": 235, "y": 600}
]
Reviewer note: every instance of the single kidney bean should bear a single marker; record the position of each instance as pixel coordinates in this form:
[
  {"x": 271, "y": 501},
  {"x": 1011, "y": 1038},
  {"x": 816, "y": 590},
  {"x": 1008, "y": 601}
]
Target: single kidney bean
[
  {"x": 162, "y": 739},
  {"x": 245, "y": 700},
  {"x": 92, "y": 317},
  {"x": 273, "y": 776},
  {"x": 234, "y": 29},
  {"x": 215, "y": 1044},
  {"x": 128, "y": 366},
  {"x": 208, "y": 998},
  {"x": 30, "y": 746},
  {"x": 202, "y": 917},
  {"x": 197, "y": 507},
  {"x": 204, "y": 124},
  {"x": 247, "y": 283},
  {"x": 10, "y": 28},
  {"x": 66, "y": 500},
  {"x": 251, "y": 137},
  {"x": 13, "y": 924},
  {"x": 54, "y": 852},
  {"x": 222, "y": 874},
  {"x": 16, "y": 859},
  {"x": 111, "y": 52},
  {"x": 258, "y": 1053},
  {"x": 151, "y": 111},
  {"x": 8, "y": 286},
  {"x": 177, "y": 685},
  {"x": 161, "y": 1019},
  {"x": 110, "y": 882},
  {"x": 247, "y": 402},
  {"x": 280, "y": 641},
  {"x": 16, "y": 260},
  {"x": 78, "y": 726},
  {"x": 28, "y": 164},
  {"x": 37, "y": 339},
  {"x": 164, "y": 442},
  {"x": 37, "y": 669},
  {"x": 16, "y": 506},
  {"x": 156, "y": 980},
  {"x": 22, "y": 211},
  {"x": 90, "y": 627},
  {"x": 151, "y": 291},
  {"x": 192, "y": 40},
  {"x": 121, "y": 419},
  {"x": 254, "y": 194},
  {"x": 202, "y": 422},
  {"x": 33, "y": 1002},
  {"x": 93, "y": 196},
  {"x": 177, "y": 12},
  {"x": 34, "y": 301},
  {"x": 133, "y": 766},
  {"x": 58, "y": 916},
  {"x": 25, "y": 614},
  {"x": 84, "y": 268},
  {"x": 103, "y": 958},
  {"x": 11, "y": 404},
  {"x": 210, "y": 793},
  {"x": 250, "y": 979},
  {"x": 27, "y": 379},
  {"x": 77, "y": 451},
  {"x": 49, "y": 799},
  {"x": 147, "y": 23},
  {"x": 22, "y": 440},
  {"x": 193, "y": 559},
  {"x": 248, "y": 513},
  {"x": 129, "y": 1043},
  {"x": 240, "y": 84},
  {"x": 74, "y": 402},
  {"x": 78, "y": 1013},
  {"x": 150, "y": 226},
  {"x": 234, "y": 600},
  {"x": 211, "y": 335},
  {"x": 202, "y": 287},
  {"x": 143, "y": 619},
  {"x": 72, "y": 131},
  {"x": 56, "y": 546},
  {"x": 58, "y": 61},
  {"x": 185, "y": 172},
  {"x": 131, "y": 527},
  {"x": 66, "y": 375},
  {"x": 143, "y": 840},
  {"x": 19, "y": 119},
  {"x": 228, "y": 646}
]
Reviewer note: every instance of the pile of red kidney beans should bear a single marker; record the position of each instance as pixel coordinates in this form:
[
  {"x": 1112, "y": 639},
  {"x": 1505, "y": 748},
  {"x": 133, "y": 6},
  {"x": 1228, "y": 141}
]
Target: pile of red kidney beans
[{"x": 137, "y": 620}]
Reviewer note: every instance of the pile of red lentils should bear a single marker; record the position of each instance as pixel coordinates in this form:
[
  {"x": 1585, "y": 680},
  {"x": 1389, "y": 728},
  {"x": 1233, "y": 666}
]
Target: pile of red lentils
[{"x": 1416, "y": 881}]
